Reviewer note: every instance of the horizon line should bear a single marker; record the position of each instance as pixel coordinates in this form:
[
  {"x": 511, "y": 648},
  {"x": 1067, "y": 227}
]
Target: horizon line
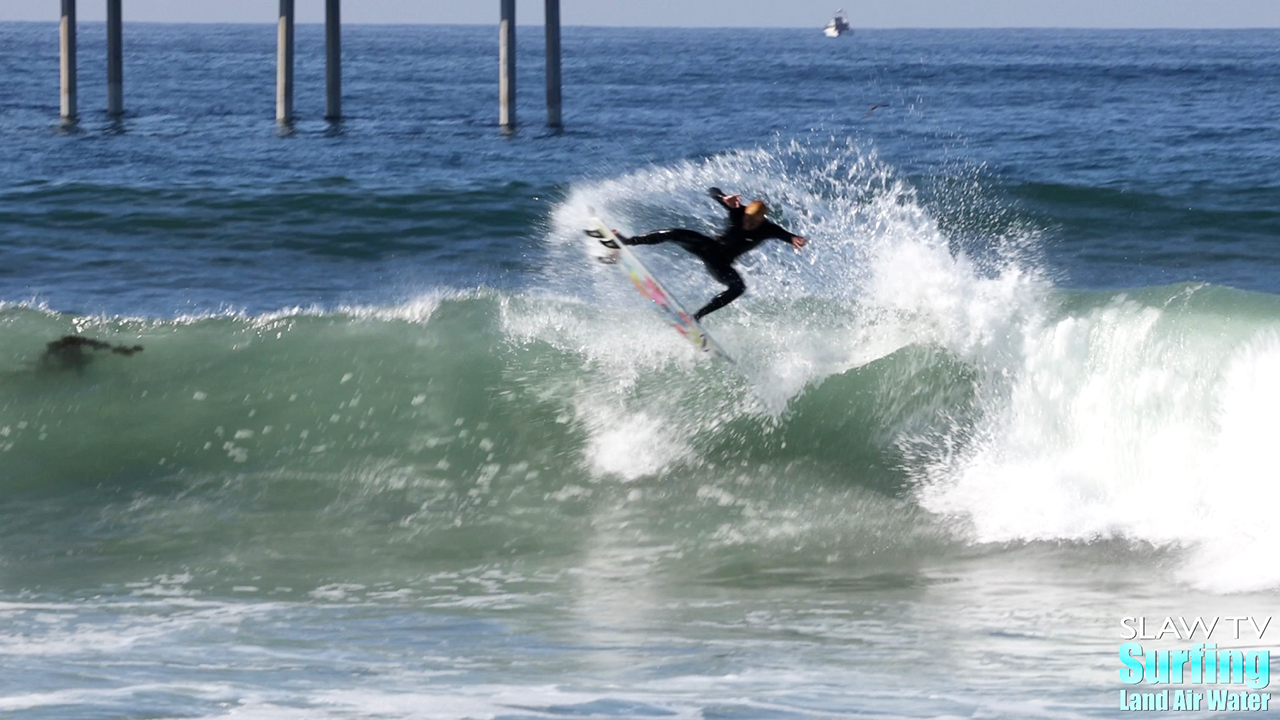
[{"x": 816, "y": 28}]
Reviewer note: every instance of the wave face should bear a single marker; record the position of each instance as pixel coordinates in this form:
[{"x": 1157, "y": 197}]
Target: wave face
[{"x": 899, "y": 394}]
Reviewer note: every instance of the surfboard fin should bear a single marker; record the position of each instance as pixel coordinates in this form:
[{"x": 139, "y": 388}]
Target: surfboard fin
[{"x": 601, "y": 237}]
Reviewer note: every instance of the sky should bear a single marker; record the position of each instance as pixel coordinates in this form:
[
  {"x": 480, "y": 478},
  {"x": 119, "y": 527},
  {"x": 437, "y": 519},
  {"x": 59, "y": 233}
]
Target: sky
[{"x": 706, "y": 13}]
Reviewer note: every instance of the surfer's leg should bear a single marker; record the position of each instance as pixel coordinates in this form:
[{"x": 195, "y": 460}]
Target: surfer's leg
[
  {"x": 687, "y": 239},
  {"x": 723, "y": 273}
]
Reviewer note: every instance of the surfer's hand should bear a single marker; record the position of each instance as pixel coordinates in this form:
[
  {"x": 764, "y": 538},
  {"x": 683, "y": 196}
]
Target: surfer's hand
[
  {"x": 798, "y": 241},
  {"x": 732, "y": 201}
]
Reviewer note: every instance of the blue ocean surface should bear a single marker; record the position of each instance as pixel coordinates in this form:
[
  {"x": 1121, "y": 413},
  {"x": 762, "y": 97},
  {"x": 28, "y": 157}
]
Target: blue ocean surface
[{"x": 395, "y": 447}]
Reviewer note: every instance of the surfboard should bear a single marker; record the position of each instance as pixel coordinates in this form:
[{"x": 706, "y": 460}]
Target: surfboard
[{"x": 648, "y": 285}]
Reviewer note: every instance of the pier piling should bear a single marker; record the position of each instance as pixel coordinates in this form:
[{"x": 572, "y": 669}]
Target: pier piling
[
  {"x": 333, "y": 62},
  {"x": 284, "y": 63},
  {"x": 507, "y": 65},
  {"x": 333, "y": 59},
  {"x": 553, "y": 64},
  {"x": 115, "y": 59},
  {"x": 67, "y": 49}
]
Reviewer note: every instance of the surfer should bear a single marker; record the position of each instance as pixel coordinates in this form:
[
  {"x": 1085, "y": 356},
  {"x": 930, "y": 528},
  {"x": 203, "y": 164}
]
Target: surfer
[
  {"x": 72, "y": 352},
  {"x": 747, "y": 229}
]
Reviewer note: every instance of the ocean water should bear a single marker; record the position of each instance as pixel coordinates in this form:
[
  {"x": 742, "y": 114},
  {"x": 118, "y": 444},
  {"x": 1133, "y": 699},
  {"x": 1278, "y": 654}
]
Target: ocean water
[{"x": 394, "y": 448}]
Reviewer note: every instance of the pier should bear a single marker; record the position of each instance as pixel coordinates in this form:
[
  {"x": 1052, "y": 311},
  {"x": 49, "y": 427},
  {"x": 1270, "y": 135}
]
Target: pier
[
  {"x": 553, "y": 64},
  {"x": 333, "y": 62},
  {"x": 67, "y": 45},
  {"x": 507, "y": 65},
  {"x": 284, "y": 63},
  {"x": 115, "y": 59}
]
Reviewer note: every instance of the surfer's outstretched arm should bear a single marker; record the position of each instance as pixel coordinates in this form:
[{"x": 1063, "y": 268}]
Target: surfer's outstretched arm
[
  {"x": 780, "y": 233},
  {"x": 732, "y": 202}
]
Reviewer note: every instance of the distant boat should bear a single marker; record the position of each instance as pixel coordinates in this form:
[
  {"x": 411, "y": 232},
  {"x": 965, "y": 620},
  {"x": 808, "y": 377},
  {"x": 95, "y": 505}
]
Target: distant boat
[{"x": 837, "y": 26}]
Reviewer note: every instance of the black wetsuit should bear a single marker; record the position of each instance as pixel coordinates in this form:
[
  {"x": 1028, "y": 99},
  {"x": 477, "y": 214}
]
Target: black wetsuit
[{"x": 718, "y": 254}]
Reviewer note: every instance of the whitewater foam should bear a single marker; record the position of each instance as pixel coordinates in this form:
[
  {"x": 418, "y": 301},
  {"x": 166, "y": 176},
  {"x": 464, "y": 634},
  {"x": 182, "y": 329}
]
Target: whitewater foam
[{"x": 1131, "y": 420}]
